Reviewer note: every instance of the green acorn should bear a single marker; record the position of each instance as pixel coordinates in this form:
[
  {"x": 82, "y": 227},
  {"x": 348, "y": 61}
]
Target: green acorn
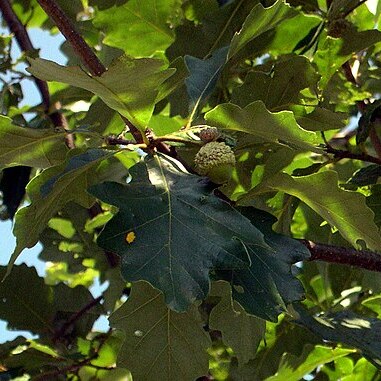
[{"x": 215, "y": 160}]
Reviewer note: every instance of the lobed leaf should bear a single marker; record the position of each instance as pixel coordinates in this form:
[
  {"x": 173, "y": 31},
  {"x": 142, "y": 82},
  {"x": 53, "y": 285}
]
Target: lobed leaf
[
  {"x": 347, "y": 211},
  {"x": 129, "y": 86},
  {"x": 256, "y": 120},
  {"x": 171, "y": 230},
  {"x": 32, "y": 147},
  {"x": 159, "y": 341}
]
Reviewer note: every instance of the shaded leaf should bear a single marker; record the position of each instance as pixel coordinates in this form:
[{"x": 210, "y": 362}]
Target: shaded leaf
[
  {"x": 171, "y": 230},
  {"x": 279, "y": 88},
  {"x": 255, "y": 119},
  {"x": 159, "y": 341},
  {"x": 43, "y": 314},
  {"x": 203, "y": 76},
  {"x": 12, "y": 187},
  {"x": 32, "y": 147},
  {"x": 344, "y": 210},
  {"x": 268, "y": 285},
  {"x": 347, "y": 328},
  {"x": 129, "y": 86},
  {"x": 259, "y": 21},
  {"x": 321, "y": 119},
  {"x": 366, "y": 176},
  {"x": 139, "y": 28},
  {"x": 240, "y": 331},
  {"x": 294, "y": 368}
]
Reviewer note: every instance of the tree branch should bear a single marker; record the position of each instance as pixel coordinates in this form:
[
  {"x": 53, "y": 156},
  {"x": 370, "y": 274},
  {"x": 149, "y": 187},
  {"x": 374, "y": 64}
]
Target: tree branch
[
  {"x": 81, "y": 49},
  {"x": 340, "y": 154},
  {"x": 334, "y": 254},
  {"x": 62, "y": 331},
  {"x": 67, "y": 28}
]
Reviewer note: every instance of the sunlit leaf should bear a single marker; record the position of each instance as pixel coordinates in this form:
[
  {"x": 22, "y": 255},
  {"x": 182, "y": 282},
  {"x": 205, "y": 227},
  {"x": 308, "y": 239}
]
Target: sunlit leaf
[{"x": 129, "y": 86}]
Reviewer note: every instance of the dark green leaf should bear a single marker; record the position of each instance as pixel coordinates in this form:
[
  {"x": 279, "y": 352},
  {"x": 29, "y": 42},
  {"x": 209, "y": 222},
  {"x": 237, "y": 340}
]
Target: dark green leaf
[
  {"x": 348, "y": 328},
  {"x": 267, "y": 286},
  {"x": 54, "y": 188},
  {"x": 158, "y": 341},
  {"x": 366, "y": 176},
  {"x": 203, "y": 76},
  {"x": 171, "y": 230},
  {"x": 44, "y": 314},
  {"x": 279, "y": 88}
]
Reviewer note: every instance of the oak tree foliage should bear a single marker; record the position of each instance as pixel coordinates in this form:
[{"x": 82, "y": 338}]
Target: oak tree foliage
[{"x": 271, "y": 273}]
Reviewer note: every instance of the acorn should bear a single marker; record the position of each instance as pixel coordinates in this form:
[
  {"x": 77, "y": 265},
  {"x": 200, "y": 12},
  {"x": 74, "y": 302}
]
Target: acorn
[
  {"x": 209, "y": 134},
  {"x": 215, "y": 160}
]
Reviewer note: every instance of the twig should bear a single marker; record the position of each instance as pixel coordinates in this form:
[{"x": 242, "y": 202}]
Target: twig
[
  {"x": 359, "y": 258},
  {"x": 81, "y": 49},
  {"x": 73, "y": 368},
  {"x": 25, "y": 44},
  {"x": 62, "y": 331},
  {"x": 361, "y": 105},
  {"x": 350, "y": 10},
  {"x": 340, "y": 154}
]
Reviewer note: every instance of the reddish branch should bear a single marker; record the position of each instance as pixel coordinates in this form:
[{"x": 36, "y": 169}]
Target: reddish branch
[
  {"x": 359, "y": 258},
  {"x": 340, "y": 154},
  {"x": 67, "y": 28},
  {"x": 81, "y": 49}
]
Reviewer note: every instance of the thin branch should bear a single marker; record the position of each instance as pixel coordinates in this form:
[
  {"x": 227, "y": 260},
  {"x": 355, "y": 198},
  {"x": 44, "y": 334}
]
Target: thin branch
[
  {"x": 333, "y": 254},
  {"x": 81, "y": 49},
  {"x": 340, "y": 154},
  {"x": 75, "y": 317},
  {"x": 361, "y": 105},
  {"x": 26, "y": 46}
]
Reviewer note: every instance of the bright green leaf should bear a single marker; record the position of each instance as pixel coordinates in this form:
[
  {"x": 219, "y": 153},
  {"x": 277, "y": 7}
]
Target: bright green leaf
[
  {"x": 344, "y": 210},
  {"x": 348, "y": 328},
  {"x": 140, "y": 28},
  {"x": 256, "y": 120},
  {"x": 129, "y": 86},
  {"x": 32, "y": 147},
  {"x": 293, "y": 368},
  {"x": 259, "y": 21}
]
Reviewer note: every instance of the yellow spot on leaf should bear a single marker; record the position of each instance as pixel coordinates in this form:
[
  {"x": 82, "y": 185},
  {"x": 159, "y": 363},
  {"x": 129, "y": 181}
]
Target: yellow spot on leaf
[{"x": 130, "y": 237}]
